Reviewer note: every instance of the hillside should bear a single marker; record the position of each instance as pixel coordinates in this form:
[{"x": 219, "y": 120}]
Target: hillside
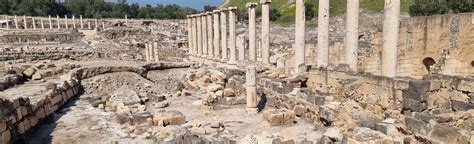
[{"x": 286, "y": 9}]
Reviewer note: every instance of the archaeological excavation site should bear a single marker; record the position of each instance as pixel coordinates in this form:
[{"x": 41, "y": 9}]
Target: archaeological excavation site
[{"x": 220, "y": 77}]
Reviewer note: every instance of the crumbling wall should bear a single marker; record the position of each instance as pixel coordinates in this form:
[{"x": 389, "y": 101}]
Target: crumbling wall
[{"x": 39, "y": 36}]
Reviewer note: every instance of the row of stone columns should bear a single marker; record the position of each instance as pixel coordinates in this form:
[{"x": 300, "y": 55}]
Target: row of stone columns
[
  {"x": 390, "y": 35},
  {"x": 151, "y": 51},
  {"x": 212, "y": 35},
  {"x": 51, "y": 25}
]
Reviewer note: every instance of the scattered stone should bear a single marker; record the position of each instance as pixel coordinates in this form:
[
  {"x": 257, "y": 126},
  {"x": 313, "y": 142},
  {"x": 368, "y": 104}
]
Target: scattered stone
[
  {"x": 29, "y": 72},
  {"x": 334, "y": 133},
  {"x": 279, "y": 116},
  {"x": 214, "y": 87},
  {"x": 216, "y": 124},
  {"x": 125, "y": 96},
  {"x": 228, "y": 92},
  {"x": 198, "y": 130}
]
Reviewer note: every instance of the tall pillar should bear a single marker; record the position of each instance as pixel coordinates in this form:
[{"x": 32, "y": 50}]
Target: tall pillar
[
  {"x": 82, "y": 24},
  {"x": 232, "y": 35},
  {"x": 251, "y": 88},
  {"x": 126, "y": 20},
  {"x": 33, "y": 22},
  {"x": 190, "y": 33},
  {"x": 151, "y": 51},
  {"x": 241, "y": 46},
  {"x": 252, "y": 33},
  {"x": 155, "y": 51},
  {"x": 210, "y": 36},
  {"x": 300, "y": 35},
  {"x": 8, "y": 25},
  {"x": 42, "y": 23},
  {"x": 204, "y": 34},
  {"x": 217, "y": 36},
  {"x": 58, "y": 22},
  {"x": 390, "y": 38},
  {"x": 89, "y": 24},
  {"x": 147, "y": 52},
  {"x": 16, "y": 23},
  {"x": 103, "y": 24},
  {"x": 323, "y": 34},
  {"x": 50, "y": 22},
  {"x": 224, "y": 33},
  {"x": 265, "y": 31},
  {"x": 65, "y": 22},
  {"x": 73, "y": 21},
  {"x": 96, "y": 24},
  {"x": 199, "y": 34},
  {"x": 352, "y": 33},
  {"x": 195, "y": 35},
  {"x": 24, "y": 22}
]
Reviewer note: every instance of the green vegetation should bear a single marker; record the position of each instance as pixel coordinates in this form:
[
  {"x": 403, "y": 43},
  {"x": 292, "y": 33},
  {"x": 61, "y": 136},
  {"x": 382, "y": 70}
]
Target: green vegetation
[
  {"x": 93, "y": 9},
  {"x": 436, "y": 7}
]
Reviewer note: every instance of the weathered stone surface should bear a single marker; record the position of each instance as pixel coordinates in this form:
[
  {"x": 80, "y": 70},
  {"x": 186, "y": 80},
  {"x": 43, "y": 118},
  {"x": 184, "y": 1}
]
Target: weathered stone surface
[
  {"x": 278, "y": 116},
  {"x": 5, "y": 137},
  {"x": 228, "y": 92},
  {"x": 334, "y": 133},
  {"x": 467, "y": 86},
  {"x": 169, "y": 118},
  {"x": 417, "y": 126},
  {"x": 419, "y": 86},
  {"x": 414, "y": 105},
  {"x": 388, "y": 129},
  {"x": 427, "y": 117},
  {"x": 126, "y": 96},
  {"x": 461, "y": 106},
  {"x": 214, "y": 87},
  {"x": 198, "y": 130},
  {"x": 29, "y": 72}
]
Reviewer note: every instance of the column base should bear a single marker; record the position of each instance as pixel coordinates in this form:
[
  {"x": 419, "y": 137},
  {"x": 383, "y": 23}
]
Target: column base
[
  {"x": 252, "y": 110},
  {"x": 232, "y": 62}
]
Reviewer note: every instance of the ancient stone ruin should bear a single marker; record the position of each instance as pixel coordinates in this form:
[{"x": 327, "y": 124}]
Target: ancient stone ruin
[{"x": 214, "y": 78}]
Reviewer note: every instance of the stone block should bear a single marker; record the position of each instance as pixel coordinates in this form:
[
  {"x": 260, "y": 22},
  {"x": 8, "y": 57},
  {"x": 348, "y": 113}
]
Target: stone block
[
  {"x": 326, "y": 114},
  {"x": 3, "y": 126},
  {"x": 40, "y": 114},
  {"x": 464, "y": 85},
  {"x": 461, "y": 106},
  {"x": 435, "y": 85},
  {"x": 388, "y": 129},
  {"x": 401, "y": 85},
  {"x": 21, "y": 127},
  {"x": 471, "y": 97},
  {"x": 299, "y": 110},
  {"x": 278, "y": 116},
  {"x": 419, "y": 86},
  {"x": 445, "y": 133},
  {"x": 416, "y": 126},
  {"x": 5, "y": 137},
  {"x": 427, "y": 117},
  {"x": 33, "y": 120},
  {"x": 414, "y": 105},
  {"x": 408, "y": 94}
]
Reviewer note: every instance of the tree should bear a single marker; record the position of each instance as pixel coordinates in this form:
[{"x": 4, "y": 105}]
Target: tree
[{"x": 209, "y": 8}]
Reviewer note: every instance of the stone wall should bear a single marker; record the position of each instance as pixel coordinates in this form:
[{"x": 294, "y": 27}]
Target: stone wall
[
  {"x": 23, "y": 113},
  {"x": 39, "y": 36}
]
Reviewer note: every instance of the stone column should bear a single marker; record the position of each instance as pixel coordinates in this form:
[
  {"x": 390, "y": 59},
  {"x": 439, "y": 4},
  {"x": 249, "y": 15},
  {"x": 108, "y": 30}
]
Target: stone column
[
  {"x": 65, "y": 22},
  {"x": 147, "y": 52},
  {"x": 126, "y": 20},
  {"x": 352, "y": 33},
  {"x": 265, "y": 37},
  {"x": 16, "y": 23},
  {"x": 195, "y": 35},
  {"x": 232, "y": 35},
  {"x": 204, "y": 34},
  {"x": 252, "y": 32},
  {"x": 241, "y": 46},
  {"x": 24, "y": 22},
  {"x": 50, "y": 22},
  {"x": 251, "y": 88},
  {"x": 323, "y": 34},
  {"x": 390, "y": 38},
  {"x": 210, "y": 36},
  {"x": 190, "y": 34},
  {"x": 89, "y": 24},
  {"x": 33, "y": 22},
  {"x": 151, "y": 51},
  {"x": 6, "y": 19},
  {"x": 42, "y": 23},
  {"x": 199, "y": 34},
  {"x": 103, "y": 24},
  {"x": 224, "y": 34},
  {"x": 300, "y": 35},
  {"x": 96, "y": 24},
  {"x": 58, "y": 22},
  {"x": 217, "y": 51},
  {"x": 82, "y": 24},
  {"x": 155, "y": 51},
  {"x": 73, "y": 21}
]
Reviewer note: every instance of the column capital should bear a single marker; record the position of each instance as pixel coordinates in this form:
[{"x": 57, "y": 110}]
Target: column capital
[
  {"x": 209, "y": 13},
  {"x": 232, "y": 8},
  {"x": 251, "y": 5},
  {"x": 216, "y": 11},
  {"x": 223, "y": 9},
  {"x": 265, "y": 1}
]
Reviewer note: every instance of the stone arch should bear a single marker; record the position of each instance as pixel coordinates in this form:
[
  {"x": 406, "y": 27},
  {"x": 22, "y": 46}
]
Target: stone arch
[{"x": 428, "y": 62}]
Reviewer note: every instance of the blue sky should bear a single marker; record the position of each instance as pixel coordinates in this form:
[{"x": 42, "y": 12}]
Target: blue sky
[{"x": 196, "y": 4}]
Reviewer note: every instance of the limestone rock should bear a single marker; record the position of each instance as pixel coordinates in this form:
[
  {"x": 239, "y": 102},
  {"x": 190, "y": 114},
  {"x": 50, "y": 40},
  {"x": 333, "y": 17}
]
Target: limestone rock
[
  {"x": 278, "y": 116},
  {"x": 334, "y": 133},
  {"x": 126, "y": 96},
  {"x": 228, "y": 92},
  {"x": 214, "y": 87},
  {"x": 198, "y": 130},
  {"x": 216, "y": 124},
  {"x": 169, "y": 118},
  {"x": 29, "y": 72},
  {"x": 36, "y": 76}
]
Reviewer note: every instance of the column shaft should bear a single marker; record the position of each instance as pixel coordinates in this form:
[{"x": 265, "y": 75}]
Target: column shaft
[
  {"x": 190, "y": 33},
  {"x": 390, "y": 38},
  {"x": 265, "y": 37},
  {"x": 199, "y": 34},
  {"x": 204, "y": 34},
  {"x": 300, "y": 35},
  {"x": 33, "y": 22},
  {"x": 8, "y": 23},
  {"x": 195, "y": 36},
  {"x": 156, "y": 56},
  {"x": 58, "y": 22},
  {"x": 16, "y": 23},
  {"x": 232, "y": 35},
  {"x": 210, "y": 36},
  {"x": 224, "y": 34},
  {"x": 241, "y": 46},
  {"x": 65, "y": 22},
  {"x": 147, "y": 52},
  {"x": 252, "y": 32},
  {"x": 82, "y": 24},
  {"x": 352, "y": 33},
  {"x": 24, "y": 22},
  {"x": 217, "y": 51},
  {"x": 73, "y": 21},
  {"x": 50, "y": 22},
  {"x": 251, "y": 86},
  {"x": 42, "y": 24},
  {"x": 323, "y": 34}
]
